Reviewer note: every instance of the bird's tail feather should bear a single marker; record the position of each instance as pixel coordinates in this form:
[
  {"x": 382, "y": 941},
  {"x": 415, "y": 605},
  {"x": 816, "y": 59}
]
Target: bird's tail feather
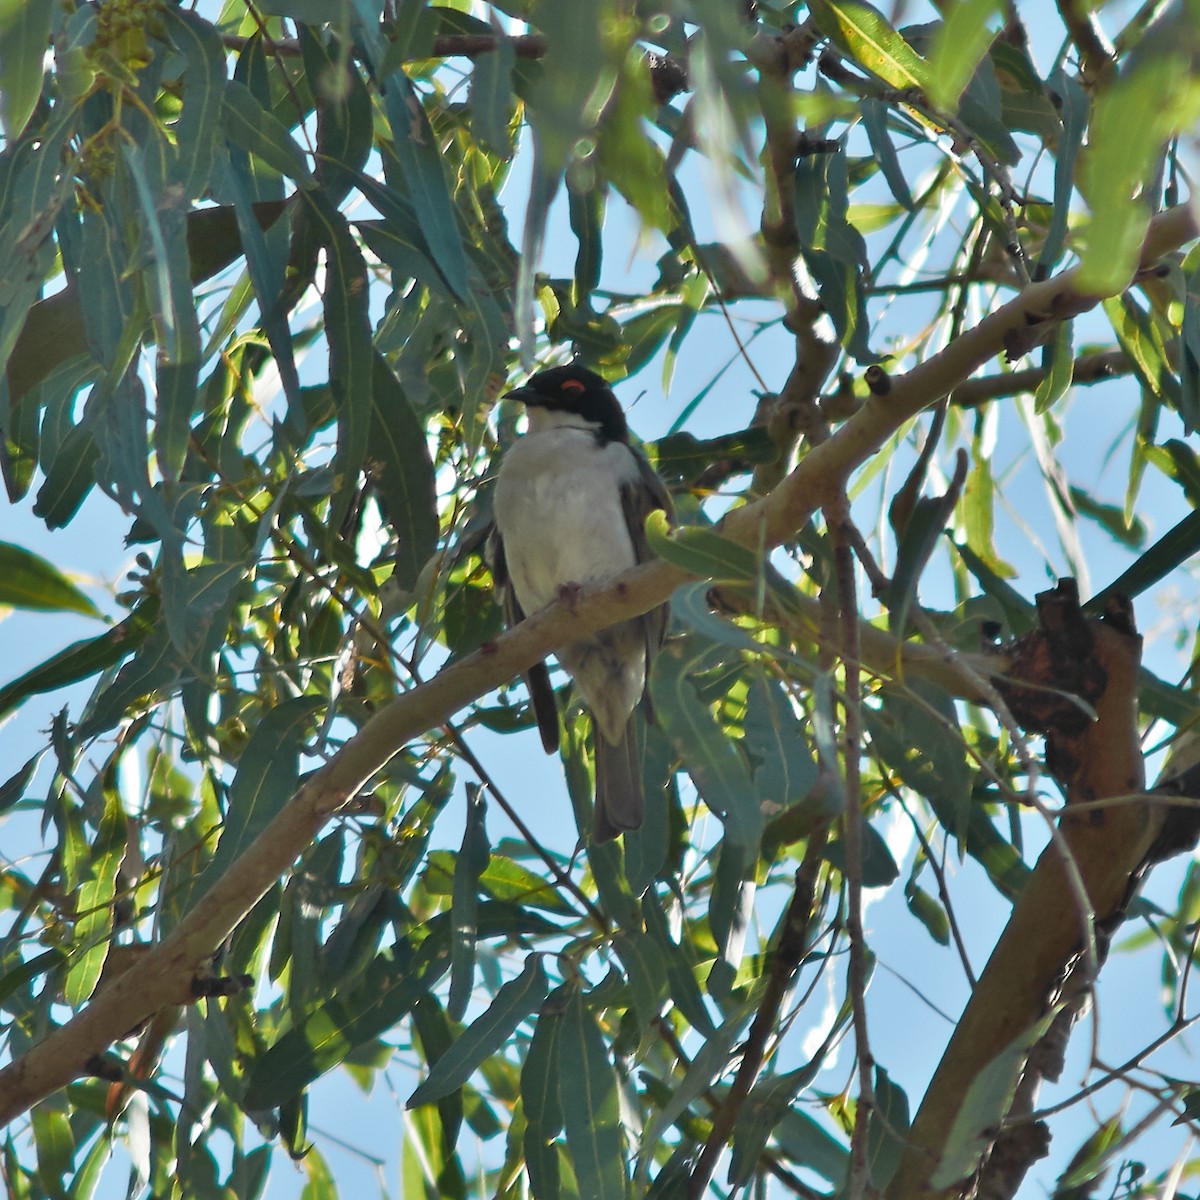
[{"x": 618, "y": 785}]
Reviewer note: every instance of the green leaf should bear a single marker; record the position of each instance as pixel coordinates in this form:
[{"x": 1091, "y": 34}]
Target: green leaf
[
  {"x": 94, "y": 901},
  {"x": 540, "y": 1097},
  {"x": 807, "y": 1144},
  {"x": 420, "y": 159},
  {"x": 249, "y": 125},
  {"x": 928, "y": 911},
  {"x": 388, "y": 989},
  {"x": 1140, "y": 338},
  {"x": 403, "y": 471},
  {"x": 918, "y": 541},
  {"x": 689, "y": 605},
  {"x": 266, "y": 264},
  {"x": 701, "y": 551},
  {"x": 1154, "y": 98},
  {"x": 25, "y": 27},
  {"x": 875, "y": 118},
  {"x": 516, "y": 1000},
  {"x": 1074, "y": 113},
  {"x": 785, "y": 769},
  {"x": 198, "y": 127},
  {"x": 1174, "y": 548},
  {"x": 879, "y": 868},
  {"x": 1090, "y": 1161},
  {"x": 915, "y": 732},
  {"x": 346, "y": 305},
  {"x": 491, "y": 96},
  {"x": 29, "y": 581},
  {"x": 1024, "y": 103},
  {"x": 470, "y": 864},
  {"x": 55, "y": 1142},
  {"x": 959, "y": 46},
  {"x": 762, "y": 1111},
  {"x": 631, "y": 161},
  {"x": 709, "y": 756},
  {"x": 1020, "y": 613},
  {"x": 267, "y": 776},
  {"x": 591, "y": 1109},
  {"x": 983, "y": 1107},
  {"x": 1111, "y": 517},
  {"x": 82, "y": 659},
  {"x": 1058, "y": 361},
  {"x": 681, "y": 978},
  {"x": 642, "y": 960},
  {"x": 833, "y": 249},
  {"x": 564, "y": 106},
  {"x": 345, "y": 129},
  {"x": 26, "y": 972},
  {"x": 886, "y": 1133},
  {"x": 173, "y": 307},
  {"x": 706, "y": 1066},
  {"x": 864, "y": 33}
]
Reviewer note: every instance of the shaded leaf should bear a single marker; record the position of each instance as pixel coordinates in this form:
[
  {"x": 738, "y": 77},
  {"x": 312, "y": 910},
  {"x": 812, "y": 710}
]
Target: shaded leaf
[
  {"x": 82, "y": 659},
  {"x": 590, "y": 1107},
  {"x": 468, "y": 867},
  {"x": 1174, "y": 548},
  {"x": 719, "y": 772},
  {"x": 24, "y": 34},
  {"x": 515, "y": 1000},
  {"x": 540, "y": 1097},
  {"x": 388, "y": 989},
  {"x": 420, "y": 160},
  {"x": 401, "y": 468},
  {"x": 267, "y": 776}
]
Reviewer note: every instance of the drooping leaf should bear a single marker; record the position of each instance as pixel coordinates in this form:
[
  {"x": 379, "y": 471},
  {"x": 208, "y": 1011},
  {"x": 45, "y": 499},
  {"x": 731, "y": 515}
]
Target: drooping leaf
[
  {"x": 388, "y": 989},
  {"x": 95, "y": 902},
  {"x": 24, "y": 34},
  {"x": 590, "y": 1106},
  {"x": 469, "y": 866},
  {"x": 540, "y": 1096},
  {"x": 986, "y": 1102},
  {"x": 513, "y": 1002},
  {"x": 421, "y": 167},
  {"x": 874, "y": 116},
  {"x": 401, "y": 467},
  {"x": 958, "y": 47},
  {"x": 267, "y": 777},
  {"x": 720, "y": 774}
]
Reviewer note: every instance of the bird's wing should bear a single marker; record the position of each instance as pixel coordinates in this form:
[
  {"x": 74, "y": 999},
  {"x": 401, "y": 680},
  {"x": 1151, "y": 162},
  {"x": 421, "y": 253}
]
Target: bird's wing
[
  {"x": 537, "y": 678},
  {"x": 639, "y": 498}
]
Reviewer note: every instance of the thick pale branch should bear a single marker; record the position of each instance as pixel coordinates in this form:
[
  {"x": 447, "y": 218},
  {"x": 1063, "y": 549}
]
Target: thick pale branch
[
  {"x": 158, "y": 979},
  {"x": 1094, "y": 760}
]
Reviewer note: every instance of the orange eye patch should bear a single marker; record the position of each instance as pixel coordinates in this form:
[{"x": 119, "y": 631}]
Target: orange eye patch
[{"x": 572, "y": 385}]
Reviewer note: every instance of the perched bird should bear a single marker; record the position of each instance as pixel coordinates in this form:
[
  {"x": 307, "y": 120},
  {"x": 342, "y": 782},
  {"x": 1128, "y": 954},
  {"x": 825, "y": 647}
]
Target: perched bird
[{"x": 571, "y": 501}]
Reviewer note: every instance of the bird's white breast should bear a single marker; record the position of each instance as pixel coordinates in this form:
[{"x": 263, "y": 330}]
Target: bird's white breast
[{"x": 558, "y": 508}]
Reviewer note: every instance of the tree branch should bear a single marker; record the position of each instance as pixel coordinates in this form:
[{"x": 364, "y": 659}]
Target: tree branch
[
  {"x": 164, "y": 975},
  {"x": 1101, "y": 848}
]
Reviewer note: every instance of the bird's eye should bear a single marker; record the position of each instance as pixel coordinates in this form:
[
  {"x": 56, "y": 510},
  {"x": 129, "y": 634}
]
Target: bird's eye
[{"x": 572, "y": 385}]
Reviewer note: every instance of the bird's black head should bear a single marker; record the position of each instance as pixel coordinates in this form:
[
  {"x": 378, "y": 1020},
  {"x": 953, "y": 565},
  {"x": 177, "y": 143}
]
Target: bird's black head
[{"x": 575, "y": 389}]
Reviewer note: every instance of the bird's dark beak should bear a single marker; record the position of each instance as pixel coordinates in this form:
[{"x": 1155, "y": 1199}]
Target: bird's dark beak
[{"x": 526, "y": 395}]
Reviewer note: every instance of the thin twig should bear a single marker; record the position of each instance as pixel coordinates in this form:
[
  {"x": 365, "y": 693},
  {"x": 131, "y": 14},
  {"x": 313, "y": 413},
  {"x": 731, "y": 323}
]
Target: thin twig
[
  {"x": 793, "y": 942},
  {"x": 837, "y": 515}
]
